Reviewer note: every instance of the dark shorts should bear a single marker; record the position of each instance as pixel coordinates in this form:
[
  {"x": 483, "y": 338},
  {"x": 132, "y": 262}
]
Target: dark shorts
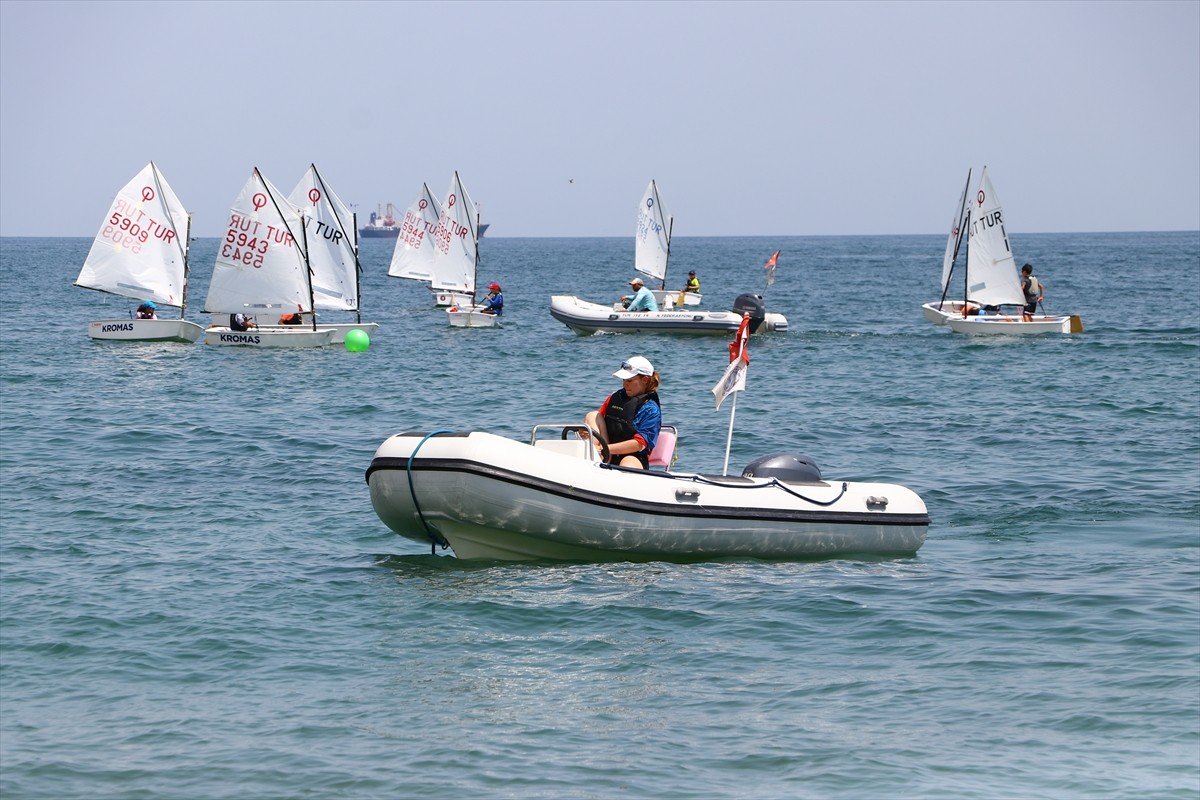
[{"x": 1031, "y": 308}]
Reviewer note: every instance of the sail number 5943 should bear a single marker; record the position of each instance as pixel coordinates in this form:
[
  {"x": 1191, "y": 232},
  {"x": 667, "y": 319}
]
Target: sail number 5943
[{"x": 248, "y": 250}]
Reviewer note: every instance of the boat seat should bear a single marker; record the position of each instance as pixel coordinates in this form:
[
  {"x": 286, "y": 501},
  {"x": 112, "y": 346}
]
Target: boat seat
[
  {"x": 663, "y": 454},
  {"x": 568, "y": 447}
]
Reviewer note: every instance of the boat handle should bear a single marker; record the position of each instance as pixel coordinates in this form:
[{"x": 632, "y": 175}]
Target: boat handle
[
  {"x": 687, "y": 495},
  {"x": 873, "y": 501}
]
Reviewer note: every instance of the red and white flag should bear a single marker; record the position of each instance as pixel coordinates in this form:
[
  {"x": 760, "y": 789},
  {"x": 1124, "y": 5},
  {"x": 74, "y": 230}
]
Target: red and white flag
[
  {"x": 734, "y": 379},
  {"x": 770, "y": 267}
]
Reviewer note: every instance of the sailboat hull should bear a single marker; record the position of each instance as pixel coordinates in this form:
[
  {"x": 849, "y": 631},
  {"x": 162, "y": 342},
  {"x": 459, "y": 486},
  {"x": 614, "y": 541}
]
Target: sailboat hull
[
  {"x": 939, "y": 313},
  {"x": 268, "y": 337},
  {"x": 340, "y": 329},
  {"x": 1004, "y": 325},
  {"x": 145, "y": 330},
  {"x": 471, "y": 318},
  {"x": 443, "y": 298},
  {"x": 664, "y": 297}
]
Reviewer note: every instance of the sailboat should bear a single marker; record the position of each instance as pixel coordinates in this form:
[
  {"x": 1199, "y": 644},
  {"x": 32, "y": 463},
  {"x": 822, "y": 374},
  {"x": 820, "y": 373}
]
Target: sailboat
[
  {"x": 413, "y": 256},
  {"x": 262, "y": 268},
  {"x": 456, "y": 257},
  {"x": 332, "y": 248},
  {"x": 990, "y": 280},
  {"x": 141, "y": 252},
  {"x": 456, "y": 249},
  {"x": 939, "y": 311},
  {"x": 652, "y": 248}
]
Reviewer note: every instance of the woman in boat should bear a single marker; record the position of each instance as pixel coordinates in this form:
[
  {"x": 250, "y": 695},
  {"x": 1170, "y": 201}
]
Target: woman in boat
[
  {"x": 147, "y": 310},
  {"x": 629, "y": 419}
]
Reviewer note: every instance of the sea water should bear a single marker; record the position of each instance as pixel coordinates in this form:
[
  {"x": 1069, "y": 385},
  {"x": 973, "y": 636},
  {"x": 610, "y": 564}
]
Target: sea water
[{"x": 198, "y": 601}]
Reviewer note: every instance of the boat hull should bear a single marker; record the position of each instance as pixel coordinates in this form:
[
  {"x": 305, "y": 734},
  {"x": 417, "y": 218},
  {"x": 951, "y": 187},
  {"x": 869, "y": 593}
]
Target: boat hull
[
  {"x": 669, "y": 299},
  {"x": 268, "y": 337},
  {"x": 588, "y": 318},
  {"x": 340, "y": 329},
  {"x": 939, "y": 313},
  {"x": 145, "y": 330},
  {"x": 1004, "y": 325},
  {"x": 471, "y": 318},
  {"x": 444, "y": 298},
  {"x": 489, "y": 497}
]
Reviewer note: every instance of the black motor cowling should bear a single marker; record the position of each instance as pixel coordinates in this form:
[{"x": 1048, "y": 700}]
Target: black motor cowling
[
  {"x": 785, "y": 467},
  {"x": 753, "y": 305}
]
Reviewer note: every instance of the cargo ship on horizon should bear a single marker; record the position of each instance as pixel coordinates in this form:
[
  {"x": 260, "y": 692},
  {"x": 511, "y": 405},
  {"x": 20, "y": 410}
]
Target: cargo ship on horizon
[{"x": 384, "y": 225}]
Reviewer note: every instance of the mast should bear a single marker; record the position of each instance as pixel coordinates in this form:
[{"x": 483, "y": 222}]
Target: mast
[
  {"x": 670, "y": 225},
  {"x": 186, "y": 254},
  {"x": 351, "y": 236},
  {"x": 184, "y": 244},
  {"x": 312, "y": 302},
  {"x": 357, "y": 271},
  {"x": 964, "y": 214},
  {"x": 303, "y": 250},
  {"x": 475, "y": 279}
]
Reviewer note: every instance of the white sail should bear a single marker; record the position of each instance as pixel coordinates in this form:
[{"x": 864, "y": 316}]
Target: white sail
[
  {"x": 958, "y": 227},
  {"x": 413, "y": 256},
  {"x": 456, "y": 240},
  {"x": 652, "y": 246},
  {"x": 260, "y": 260},
  {"x": 331, "y": 240},
  {"x": 991, "y": 272},
  {"x": 142, "y": 246}
]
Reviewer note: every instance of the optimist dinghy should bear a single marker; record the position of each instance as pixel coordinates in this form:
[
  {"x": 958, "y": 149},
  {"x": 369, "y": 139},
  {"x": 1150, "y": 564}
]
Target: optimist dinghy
[
  {"x": 990, "y": 278},
  {"x": 141, "y": 252},
  {"x": 488, "y": 497}
]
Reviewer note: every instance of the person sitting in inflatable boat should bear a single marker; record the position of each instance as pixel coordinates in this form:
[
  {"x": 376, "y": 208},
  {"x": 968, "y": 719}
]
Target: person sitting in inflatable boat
[{"x": 627, "y": 424}]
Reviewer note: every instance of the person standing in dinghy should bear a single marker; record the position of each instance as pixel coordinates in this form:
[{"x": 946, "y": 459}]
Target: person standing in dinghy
[{"x": 627, "y": 423}]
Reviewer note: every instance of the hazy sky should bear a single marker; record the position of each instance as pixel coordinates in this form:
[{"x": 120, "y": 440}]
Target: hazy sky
[{"x": 776, "y": 118}]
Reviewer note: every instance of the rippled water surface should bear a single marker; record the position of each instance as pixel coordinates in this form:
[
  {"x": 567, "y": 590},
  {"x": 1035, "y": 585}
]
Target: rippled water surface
[{"x": 197, "y": 600}]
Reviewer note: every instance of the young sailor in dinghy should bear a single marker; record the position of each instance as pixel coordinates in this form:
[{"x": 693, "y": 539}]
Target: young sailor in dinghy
[
  {"x": 1033, "y": 290},
  {"x": 629, "y": 420},
  {"x": 494, "y": 302}
]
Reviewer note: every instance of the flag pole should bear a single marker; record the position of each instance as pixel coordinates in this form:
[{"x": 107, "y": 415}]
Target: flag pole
[{"x": 729, "y": 437}]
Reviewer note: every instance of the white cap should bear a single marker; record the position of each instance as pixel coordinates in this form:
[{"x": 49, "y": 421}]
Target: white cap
[
  {"x": 637, "y": 282},
  {"x": 635, "y": 365}
]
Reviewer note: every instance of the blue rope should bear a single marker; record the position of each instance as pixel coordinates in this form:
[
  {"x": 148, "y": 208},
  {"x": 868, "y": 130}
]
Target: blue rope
[{"x": 434, "y": 537}]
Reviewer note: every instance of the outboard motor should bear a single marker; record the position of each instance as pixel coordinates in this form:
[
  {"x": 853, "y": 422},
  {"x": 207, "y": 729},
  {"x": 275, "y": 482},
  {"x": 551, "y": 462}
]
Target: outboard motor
[
  {"x": 753, "y": 305},
  {"x": 785, "y": 467}
]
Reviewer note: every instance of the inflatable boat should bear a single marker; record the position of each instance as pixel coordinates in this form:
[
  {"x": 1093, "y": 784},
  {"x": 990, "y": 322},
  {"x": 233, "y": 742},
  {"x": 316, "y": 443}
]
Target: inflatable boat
[
  {"x": 489, "y": 497},
  {"x": 587, "y": 318}
]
